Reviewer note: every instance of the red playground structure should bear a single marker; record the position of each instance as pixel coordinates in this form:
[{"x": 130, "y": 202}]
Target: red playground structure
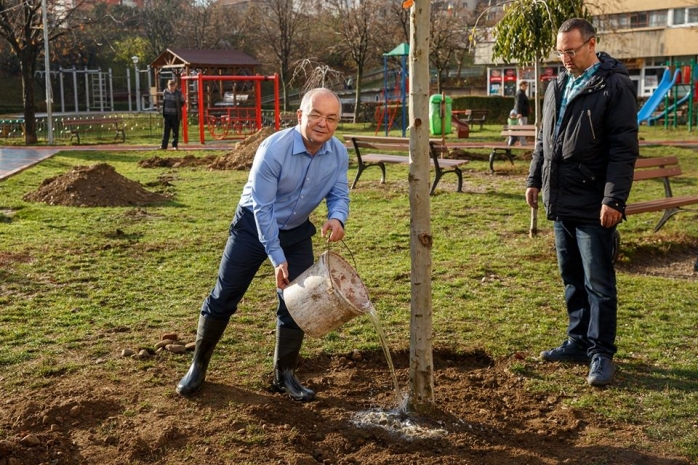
[{"x": 235, "y": 115}]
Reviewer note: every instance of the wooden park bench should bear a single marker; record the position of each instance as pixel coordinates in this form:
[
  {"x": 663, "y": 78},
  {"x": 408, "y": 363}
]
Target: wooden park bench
[
  {"x": 77, "y": 126},
  {"x": 506, "y": 149},
  {"x": 521, "y": 130},
  {"x": 660, "y": 168},
  {"x": 287, "y": 120},
  {"x": 402, "y": 144},
  {"x": 476, "y": 117}
]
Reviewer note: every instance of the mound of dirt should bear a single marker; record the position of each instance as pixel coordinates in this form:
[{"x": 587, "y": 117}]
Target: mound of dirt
[
  {"x": 176, "y": 162},
  {"x": 93, "y": 186},
  {"x": 241, "y": 157}
]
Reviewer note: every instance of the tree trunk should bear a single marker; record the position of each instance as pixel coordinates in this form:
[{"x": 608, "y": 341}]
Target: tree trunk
[
  {"x": 27, "y": 66},
  {"x": 421, "y": 391},
  {"x": 357, "y": 95},
  {"x": 536, "y": 100}
]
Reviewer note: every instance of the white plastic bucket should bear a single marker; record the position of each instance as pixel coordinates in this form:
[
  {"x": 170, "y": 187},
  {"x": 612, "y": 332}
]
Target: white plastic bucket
[{"x": 326, "y": 295}]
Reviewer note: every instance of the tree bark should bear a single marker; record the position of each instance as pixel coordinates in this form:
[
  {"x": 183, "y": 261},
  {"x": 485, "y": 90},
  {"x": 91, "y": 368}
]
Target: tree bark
[
  {"x": 421, "y": 391},
  {"x": 28, "y": 66}
]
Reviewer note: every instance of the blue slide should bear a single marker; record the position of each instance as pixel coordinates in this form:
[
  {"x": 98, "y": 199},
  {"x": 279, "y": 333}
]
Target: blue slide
[
  {"x": 657, "y": 96},
  {"x": 680, "y": 102}
]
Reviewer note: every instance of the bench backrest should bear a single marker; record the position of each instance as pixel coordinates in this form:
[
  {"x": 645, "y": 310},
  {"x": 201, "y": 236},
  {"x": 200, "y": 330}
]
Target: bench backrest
[
  {"x": 394, "y": 144},
  {"x": 657, "y": 167},
  {"x": 476, "y": 114},
  {"x": 520, "y": 127}
]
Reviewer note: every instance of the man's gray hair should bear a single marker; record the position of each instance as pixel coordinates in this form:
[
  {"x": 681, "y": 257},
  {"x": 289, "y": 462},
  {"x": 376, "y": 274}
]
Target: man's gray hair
[
  {"x": 307, "y": 98},
  {"x": 582, "y": 25}
]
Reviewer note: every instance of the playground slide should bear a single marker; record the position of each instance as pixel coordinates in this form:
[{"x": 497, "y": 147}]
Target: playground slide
[
  {"x": 656, "y": 98},
  {"x": 670, "y": 109},
  {"x": 462, "y": 128}
]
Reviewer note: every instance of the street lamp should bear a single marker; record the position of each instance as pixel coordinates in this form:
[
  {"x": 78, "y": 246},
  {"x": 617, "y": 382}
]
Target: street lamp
[
  {"x": 138, "y": 83},
  {"x": 47, "y": 68}
]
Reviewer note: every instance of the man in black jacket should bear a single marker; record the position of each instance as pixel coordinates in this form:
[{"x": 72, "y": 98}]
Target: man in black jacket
[
  {"x": 583, "y": 162},
  {"x": 172, "y": 103}
]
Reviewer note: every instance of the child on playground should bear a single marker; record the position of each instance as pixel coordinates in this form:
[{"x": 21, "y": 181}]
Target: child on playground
[{"x": 513, "y": 120}]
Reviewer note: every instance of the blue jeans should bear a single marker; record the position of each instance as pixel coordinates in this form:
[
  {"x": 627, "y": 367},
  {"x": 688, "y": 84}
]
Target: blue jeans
[
  {"x": 242, "y": 257},
  {"x": 585, "y": 259}
]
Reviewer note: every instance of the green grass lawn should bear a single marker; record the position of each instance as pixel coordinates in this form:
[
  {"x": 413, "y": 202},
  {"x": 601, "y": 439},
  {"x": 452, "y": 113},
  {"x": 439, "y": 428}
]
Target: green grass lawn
[{"x": 70, "y": 275}]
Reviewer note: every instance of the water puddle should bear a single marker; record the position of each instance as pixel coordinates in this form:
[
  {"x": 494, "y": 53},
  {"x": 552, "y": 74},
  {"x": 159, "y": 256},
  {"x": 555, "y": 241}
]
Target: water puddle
[{"x": 396, "y": 421}]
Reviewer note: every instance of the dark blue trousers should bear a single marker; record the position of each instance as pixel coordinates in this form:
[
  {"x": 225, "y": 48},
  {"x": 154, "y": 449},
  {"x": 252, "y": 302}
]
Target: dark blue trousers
[
  {"x": 242, "y": 257},
  {"x": 585, "y": 259},
  {"x": 171, "y": 125}
]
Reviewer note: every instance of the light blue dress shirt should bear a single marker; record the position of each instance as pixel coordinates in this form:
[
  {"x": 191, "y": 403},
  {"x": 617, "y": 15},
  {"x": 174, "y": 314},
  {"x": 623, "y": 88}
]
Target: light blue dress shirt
[{"x": 286, "y": 184}]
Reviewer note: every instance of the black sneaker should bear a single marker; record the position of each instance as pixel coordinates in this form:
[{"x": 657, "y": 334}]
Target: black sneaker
[
  {"x": 569, "y": 351},
  {"x": 601, "y": 370}
]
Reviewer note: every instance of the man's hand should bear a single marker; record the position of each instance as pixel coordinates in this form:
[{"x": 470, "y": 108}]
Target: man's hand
[
  {"x": 335, "y": 228},
  {"x": 610, "y": 216},
  {"x": 532, "y": 197},
  {"x": 281, "y": 273}
]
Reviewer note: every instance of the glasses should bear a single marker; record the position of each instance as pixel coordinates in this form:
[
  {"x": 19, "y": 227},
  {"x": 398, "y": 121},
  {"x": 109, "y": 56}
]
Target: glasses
[
  {"x": 316, "y": 117},
  {"x": 573, "y": 52}
]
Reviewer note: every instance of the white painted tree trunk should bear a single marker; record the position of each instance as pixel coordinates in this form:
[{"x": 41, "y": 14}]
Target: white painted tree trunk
[{"x": 421, "y": 391}]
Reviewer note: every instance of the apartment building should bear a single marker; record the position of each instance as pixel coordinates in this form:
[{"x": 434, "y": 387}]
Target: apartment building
[{"x": 645, "y": 35}]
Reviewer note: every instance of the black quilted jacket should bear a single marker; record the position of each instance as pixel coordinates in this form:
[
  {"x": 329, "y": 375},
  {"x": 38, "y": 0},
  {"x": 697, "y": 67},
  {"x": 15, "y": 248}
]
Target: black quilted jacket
[{"x": 591, "y": 160}]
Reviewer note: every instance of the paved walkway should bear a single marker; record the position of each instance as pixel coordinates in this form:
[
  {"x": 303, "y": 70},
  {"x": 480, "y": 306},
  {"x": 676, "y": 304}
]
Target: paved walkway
[{"x": 16, "y": 159}]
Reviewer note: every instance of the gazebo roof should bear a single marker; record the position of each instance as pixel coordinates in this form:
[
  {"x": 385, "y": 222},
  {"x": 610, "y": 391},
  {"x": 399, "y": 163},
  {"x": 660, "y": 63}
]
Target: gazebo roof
[{"x": 192, "y": 59}]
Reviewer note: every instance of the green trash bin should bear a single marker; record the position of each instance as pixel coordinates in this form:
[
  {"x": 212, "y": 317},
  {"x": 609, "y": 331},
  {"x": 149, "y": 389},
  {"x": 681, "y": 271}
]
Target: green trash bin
[{"x": 436, "y": 122}]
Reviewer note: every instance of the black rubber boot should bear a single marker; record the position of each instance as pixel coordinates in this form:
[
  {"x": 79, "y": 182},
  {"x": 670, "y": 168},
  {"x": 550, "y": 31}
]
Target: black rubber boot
[
  {"x": 208, "y": 334},
  {"x": 288, "y": 346}
]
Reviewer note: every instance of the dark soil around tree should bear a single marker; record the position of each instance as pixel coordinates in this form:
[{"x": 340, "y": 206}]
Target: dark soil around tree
[{"x": 122, "y": 410}]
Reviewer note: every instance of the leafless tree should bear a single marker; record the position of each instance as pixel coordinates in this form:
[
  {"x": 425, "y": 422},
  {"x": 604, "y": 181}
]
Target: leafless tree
[
  {"x": 21, "y": 26},
  {"x": 449, "y": 36},
  {"x": 283, "y": 28},
  {"x": 356, "y": 26}
]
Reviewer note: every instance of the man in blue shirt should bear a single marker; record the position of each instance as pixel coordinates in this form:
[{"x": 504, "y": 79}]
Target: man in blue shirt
[{"x": 293, "y": 171}]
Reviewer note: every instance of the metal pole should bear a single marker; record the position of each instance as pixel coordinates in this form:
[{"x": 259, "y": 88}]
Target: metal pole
[
  {"x": 75, "y": 90},
  {"x": 128, "y": 86},
  {"x": 111, "y": 90},
  {"x": 100, "y": 82},
  {"x": 138, "y": 84},
  {"x": 151, "y": 96},
  {"x": 47, "y": 67},
  {"x": 60, "y": 79},
  {"x": 87, "y": 89}
]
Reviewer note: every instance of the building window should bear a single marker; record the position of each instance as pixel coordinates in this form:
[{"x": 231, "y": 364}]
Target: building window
[
  {"x": 658, "y": 18},
  {"x": 684, "y": 16},
  {"x": 638, "y": 19}
]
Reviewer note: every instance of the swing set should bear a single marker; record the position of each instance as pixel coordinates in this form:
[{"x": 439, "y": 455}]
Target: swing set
[{"x": 236, "y": 116}]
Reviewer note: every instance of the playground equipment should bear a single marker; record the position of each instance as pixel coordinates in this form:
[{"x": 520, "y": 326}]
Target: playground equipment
[
  {"x": 394, "y": 98},
  {"x": 683, "y": 89},
  {"x": 233, "y": 117}
]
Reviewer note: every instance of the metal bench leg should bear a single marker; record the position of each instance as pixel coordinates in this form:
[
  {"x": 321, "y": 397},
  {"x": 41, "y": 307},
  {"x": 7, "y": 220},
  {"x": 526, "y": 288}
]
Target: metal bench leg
[
  {"x": 382, "y": 167},
  {"x": 75, "y": 134},
  {"x": 493, "y": 153},
  {"x": 437, "y": 176},
  {"x": 459, "y": 173},
  {"x": 360, "y": 170},
  {"x": 509, "y": 155},
  {"x": 668, "y": 213}
]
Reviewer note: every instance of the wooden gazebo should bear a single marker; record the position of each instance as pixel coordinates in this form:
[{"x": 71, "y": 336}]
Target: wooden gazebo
[{"x": 210, "y": 63}]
